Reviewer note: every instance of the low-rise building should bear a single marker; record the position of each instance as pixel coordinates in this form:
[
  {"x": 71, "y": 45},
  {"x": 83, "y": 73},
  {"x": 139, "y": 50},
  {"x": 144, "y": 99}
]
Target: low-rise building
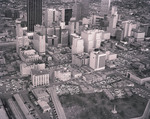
[
  {"x": 25, "y": 68},
  {"x": 40, "y": 94},
  {"x": 81, "y": 59},
  {"x": 44, "y": 106},
  {"x": 29, "y": 55},
  {"x": 63, "y": 74}
]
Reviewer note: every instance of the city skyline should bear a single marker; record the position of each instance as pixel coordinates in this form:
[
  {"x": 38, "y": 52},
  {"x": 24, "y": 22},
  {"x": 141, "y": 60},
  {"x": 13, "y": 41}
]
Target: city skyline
[{"x": 74, "y": 59}]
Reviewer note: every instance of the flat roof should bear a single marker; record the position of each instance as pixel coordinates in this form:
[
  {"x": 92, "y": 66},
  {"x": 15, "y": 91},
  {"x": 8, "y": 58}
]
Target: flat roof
[
  {"x": 40, "y": 92},
  {"x": 23, "y": 107},
  {"x": 39, "y": 72}
]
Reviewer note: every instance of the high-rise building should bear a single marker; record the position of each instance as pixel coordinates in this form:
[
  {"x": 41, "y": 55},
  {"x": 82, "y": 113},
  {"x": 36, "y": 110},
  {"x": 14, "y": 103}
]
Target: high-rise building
[
  {"x": 66, "y": 15},
  {"x": 113, "y": 19},
  {"x": 72, "y": 25},
  {"x": 97, "y": 60},
  {"x": 92, "y": 39},
  {"x": 39, "y": 43},
  {"x": 105, "y": 7},
  {"x": 77, "y": 11},
  {"x": 85, "y": 7},
  {"x": 64, "y": 37},
  {"x": 77, "y": 45},
  {"x": 128, "y": 26},
  {"x": 52, "y": 16},
  {"x": 34, "y": 13}
]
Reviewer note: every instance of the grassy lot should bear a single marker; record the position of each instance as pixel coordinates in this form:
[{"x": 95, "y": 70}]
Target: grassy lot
[{"x": 97, "y": 106}]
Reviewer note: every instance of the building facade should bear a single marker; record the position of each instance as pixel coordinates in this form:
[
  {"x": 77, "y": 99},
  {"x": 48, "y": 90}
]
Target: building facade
[
  {"x": 34, "y": 14},
  {"x": 39, "y": 77}
]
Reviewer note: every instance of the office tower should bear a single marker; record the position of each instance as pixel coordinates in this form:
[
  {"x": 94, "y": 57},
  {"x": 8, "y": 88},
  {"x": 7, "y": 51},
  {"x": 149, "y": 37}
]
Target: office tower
[
  {"x": 39, "y": 77},
  {"x": 64, "y": 37},
  {"x": 72, "y": 25},
  {"x": 66, "y": 15},
  {"x": 105, "y": 7},
  {"x": 85, "y": 7},
  {"x": 52, "y": 40},
  {"x": 92, "y": 39},
  {"x": 77, "y": 11},
  {"x": 128, "y": 26},
  {"x": 77, "y": 45},
  {"x": 39, "y": 43},
  {"x": 97, "y": 60},
  {"x": 113, "y": 19},
  {"x": 52, "y": 16},
  {"x": 34, "y": 13}
]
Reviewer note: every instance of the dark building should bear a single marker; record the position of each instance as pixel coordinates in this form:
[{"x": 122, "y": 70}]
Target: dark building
[
  {"x": 34, "y": 13},
  {"x": 68, "y": 15}
]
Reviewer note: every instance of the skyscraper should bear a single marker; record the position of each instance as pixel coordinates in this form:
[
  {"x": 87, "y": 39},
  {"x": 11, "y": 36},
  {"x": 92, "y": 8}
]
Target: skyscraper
[
  {"x": 66, "y": 15},
  {"x": 51, "y": 16},
  {"x": 34, "y": 13}
]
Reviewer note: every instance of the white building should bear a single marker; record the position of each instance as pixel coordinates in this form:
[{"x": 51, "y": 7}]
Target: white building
[
  {"x": 113, "y": 19},
  {"x": 51, "y": 16},
  {"x": 39, "y": 77},
  {"x": 25, "y": 68},
  {"x": 92, "y": 39},
  {"x": 39, "y": 43},
  {"x": 63, "y": 74},
  {"x": 77, "y": 46},
  {"x": 97, "y": 60}
]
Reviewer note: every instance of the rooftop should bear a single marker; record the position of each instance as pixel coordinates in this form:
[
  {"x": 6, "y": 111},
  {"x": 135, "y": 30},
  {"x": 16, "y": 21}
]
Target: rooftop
[
  {"x": 39, "y": 72},
  {"x": 40, "y": 93}
]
